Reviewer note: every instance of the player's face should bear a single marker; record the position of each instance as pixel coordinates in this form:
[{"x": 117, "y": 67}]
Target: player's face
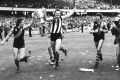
[
  {"x": 98, "y": 18},
  {"x": 57, "y": 14},
  {"x": 22, "y": 23}
]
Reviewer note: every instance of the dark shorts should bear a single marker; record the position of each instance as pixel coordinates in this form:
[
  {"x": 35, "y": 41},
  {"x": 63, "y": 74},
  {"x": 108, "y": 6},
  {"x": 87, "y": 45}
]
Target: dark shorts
[
  {"x": 55, "y": 36},
  {"x": 98, "y": 38},
  {"x": 18, "y": 44},
  {"x": 117, "y": 40}
]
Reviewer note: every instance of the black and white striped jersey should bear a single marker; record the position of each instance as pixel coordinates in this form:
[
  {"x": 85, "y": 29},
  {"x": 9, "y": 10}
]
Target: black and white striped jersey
[{"x": 56, "y": 25}]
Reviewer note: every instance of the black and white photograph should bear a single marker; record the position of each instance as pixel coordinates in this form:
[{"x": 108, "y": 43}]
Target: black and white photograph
[{"x": 59, "y": 39}]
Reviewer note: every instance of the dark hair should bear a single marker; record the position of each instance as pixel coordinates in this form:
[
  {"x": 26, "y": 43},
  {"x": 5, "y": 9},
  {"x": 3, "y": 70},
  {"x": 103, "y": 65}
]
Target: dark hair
[
  {"x": 19, "y": 20},
  {"x": 95, "y": 25},
  {"x": 57, "y": 10},
  {"x": 100, "y": 15}
]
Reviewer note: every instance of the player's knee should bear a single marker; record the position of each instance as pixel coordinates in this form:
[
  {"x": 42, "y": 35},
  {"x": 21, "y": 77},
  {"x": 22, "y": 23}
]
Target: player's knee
[
  {"x": 22, "y": 55},
  {"x": 57, "y": 49},
  {"x": 15, "y": 57}
]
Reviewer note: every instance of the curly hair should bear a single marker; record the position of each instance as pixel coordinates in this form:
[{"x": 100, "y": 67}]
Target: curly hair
[
  {"x": 19, "y": 20},
  {"x": 100, "y": 15}
]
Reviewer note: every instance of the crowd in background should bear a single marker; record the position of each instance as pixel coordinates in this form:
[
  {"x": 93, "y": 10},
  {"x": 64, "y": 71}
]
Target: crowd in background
[
  {"x": 33, "y": 3},
  {"x": 6, "y": 23},
  {"x": 94, "y": 4},
  {"x": 79, "y": 23},
  {"x": 84, "y": 22},
  {"x": 81, "y": 4}
]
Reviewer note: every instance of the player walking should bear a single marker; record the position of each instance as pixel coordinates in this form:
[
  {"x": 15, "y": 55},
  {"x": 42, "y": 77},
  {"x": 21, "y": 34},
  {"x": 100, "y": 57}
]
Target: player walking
[
  {"x": 56, "y": 33},
  {"x": 99, "y": 29},
  {"x": 19, "y": 44}
]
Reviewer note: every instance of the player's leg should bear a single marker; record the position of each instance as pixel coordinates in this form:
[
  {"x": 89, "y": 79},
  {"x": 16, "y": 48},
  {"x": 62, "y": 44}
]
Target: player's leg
[
  {"x": 62, "y": 47},
  {"x": 53, "y": 49},
  {"x": 97, "y": 57},
  {"x": 40, "y": 30},
  {"x": 99, "y": 54},
  {"x": 1, "y": 35},
  {"x": 99, "y": 49},
  {"x": 118, "y": 53},
  {"x": 96, "y": 41},
  {"x": 16, "y": 58},
  {"x": 57, "y": 47},
  {"x": 23, "y": 56},
  {"x": 50, "y": 52},
  {"x": 43, "y": 30},
  {"x": 63, "y": 50}
]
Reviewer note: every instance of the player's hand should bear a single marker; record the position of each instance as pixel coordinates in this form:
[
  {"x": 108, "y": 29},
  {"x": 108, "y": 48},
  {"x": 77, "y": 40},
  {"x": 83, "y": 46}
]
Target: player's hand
[
  {"x": 44, "y": 10},
  {"x": 2, "y": 42},
  {"x": 96, "y": 30},
  {"x": 101, "y": 30},
  {"x": 34, "y": 15}
]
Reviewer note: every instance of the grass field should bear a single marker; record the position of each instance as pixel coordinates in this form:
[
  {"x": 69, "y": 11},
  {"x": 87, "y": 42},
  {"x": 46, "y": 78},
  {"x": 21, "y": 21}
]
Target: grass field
[{"x": 81, "y": 54}]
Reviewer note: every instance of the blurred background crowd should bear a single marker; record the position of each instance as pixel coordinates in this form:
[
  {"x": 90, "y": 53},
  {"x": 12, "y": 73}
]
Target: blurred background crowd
[
  {"x": 82, "y": 4},
  {"x": 74, "y": 23},
  {"x": 77, "y": 22}
]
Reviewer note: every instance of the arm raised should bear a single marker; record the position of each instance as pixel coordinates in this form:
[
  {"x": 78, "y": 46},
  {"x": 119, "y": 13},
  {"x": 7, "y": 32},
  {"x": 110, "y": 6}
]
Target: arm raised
[
  {"x": 69, "y": 14},
  {"x": 8, "y": 36}
]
